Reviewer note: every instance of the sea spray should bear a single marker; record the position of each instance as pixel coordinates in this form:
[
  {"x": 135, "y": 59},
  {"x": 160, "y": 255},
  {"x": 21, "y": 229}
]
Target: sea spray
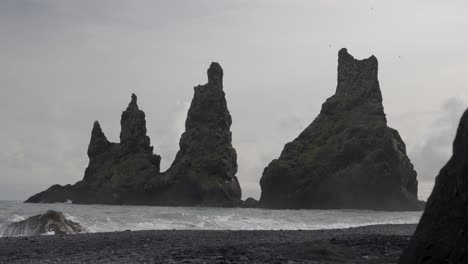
[{"x": 105, "y": 218}]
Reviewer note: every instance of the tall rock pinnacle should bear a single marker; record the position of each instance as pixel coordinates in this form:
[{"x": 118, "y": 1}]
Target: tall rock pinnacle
[
  {"x": 352, "y": 72},
  {"x": 357, "y": 85},
  {"x": 203, "y": 172},
  {"x": 348, "y": 157},
  {"x": 215, "y": 74},
  {"x": 117, "y": 173},
  {"x": 99, "y": 142},
  {"x": 206, "y": 164},
  {"x": 133, "y": 128},
  {"x": 442, "y": 233}
]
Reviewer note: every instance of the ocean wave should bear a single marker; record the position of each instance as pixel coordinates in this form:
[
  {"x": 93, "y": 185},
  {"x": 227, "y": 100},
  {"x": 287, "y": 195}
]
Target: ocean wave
[
  {"x": 48, "y": 223},
  {"x": 104, "y": 218}
]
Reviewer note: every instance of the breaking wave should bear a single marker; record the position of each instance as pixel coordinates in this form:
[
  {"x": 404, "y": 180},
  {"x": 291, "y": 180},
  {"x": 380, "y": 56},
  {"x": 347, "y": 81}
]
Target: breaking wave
[
  {"x": 47, "y": 223},
  {"x": 106, "y": 218}
]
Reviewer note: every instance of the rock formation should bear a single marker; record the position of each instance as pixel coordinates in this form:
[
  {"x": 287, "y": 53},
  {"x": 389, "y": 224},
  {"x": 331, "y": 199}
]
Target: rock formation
[
  {"x": 50, "y": 222},
  {"x": 348, "y": 157},
  {"x": 118, "y": 173},
  {"x": 128, "y": 172},
  {"x": 204, "y": 169},
  {"x": 442, "y": 233},
  {"x": 250, "y": 203}
]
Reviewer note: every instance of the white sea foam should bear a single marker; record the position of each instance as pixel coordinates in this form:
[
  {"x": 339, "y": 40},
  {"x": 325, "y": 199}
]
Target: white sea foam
[
  {"x": 16, "y": 218},
  {"x": 104, "y": 218}
]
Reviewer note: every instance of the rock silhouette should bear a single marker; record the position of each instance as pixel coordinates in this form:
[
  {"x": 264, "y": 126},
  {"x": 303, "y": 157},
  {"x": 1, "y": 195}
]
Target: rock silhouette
[
  {"x": 118, "y": 173},
  {"x": 205, "y": 167},
  {"x": 348, "y": 157},
  {"x": 442, "y": 233},
  {"x": 128, "y": 172}
]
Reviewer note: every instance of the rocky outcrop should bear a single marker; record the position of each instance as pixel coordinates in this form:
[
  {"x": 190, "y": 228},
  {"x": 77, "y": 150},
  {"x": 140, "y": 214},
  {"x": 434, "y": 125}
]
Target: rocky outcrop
[
  {"x": 50, "y": 222},
  {"x": 118, "y": 173},
  {"x": 128, "y": 172},
  {"x": 204, "y": 169},
  {"x": 250, "y": 203},
  {"x": 348, "y": 157},
  {"x": 442, "y": 233}
]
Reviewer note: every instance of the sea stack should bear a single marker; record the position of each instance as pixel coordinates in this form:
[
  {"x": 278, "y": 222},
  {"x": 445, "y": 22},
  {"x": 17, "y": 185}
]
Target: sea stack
[
  {"x": 348, "y": 158},
  {"x": 442, "y": 233},
  {"x": 118, "y": 173},
  {"x": 202, "y": 174},
  {"x": 204, "y": 169}
]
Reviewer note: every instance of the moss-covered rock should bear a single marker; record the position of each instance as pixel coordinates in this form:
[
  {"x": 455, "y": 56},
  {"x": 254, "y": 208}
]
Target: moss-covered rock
[
  {"x": 115, "y": 171},
  {"x": 348, "y": 157},
  {"x": 128, "y": 172},
  {"x": 205, "y": 167}
]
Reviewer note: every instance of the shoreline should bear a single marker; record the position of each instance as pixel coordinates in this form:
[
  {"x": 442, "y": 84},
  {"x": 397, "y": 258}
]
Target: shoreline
[{"x": 366, "y": 244}]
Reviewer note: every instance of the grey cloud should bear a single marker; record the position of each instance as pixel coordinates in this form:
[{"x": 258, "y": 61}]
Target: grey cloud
[
  {"x": 66, "y": 63},
  {"x": 435, "y": 148}
]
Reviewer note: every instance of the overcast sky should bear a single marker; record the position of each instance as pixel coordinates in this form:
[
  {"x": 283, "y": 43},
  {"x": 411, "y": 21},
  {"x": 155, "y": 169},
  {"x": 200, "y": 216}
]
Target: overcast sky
[{"x": 64, "y": 64}]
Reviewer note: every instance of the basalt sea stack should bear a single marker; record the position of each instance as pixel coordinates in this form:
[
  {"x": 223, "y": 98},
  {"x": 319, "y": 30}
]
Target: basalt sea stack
[
  {"x": 118, "y": 173},
  {"x": 128, "y": 172},
  {"x": 348, "y": 157},
  {"x": 442, "y": 233},
  {"x": 204, "y": 169}
]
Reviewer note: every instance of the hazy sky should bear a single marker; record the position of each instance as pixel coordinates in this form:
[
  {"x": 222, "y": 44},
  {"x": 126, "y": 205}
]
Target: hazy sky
[{"x": 64, "y": 64}]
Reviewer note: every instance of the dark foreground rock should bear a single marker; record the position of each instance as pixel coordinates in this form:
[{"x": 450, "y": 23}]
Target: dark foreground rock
[
  {"x": 372, "y": 244},
  {"x": 348, "y": 157},
  {"x": 442, "y": 233},
  {"x": 128, "y": 172},
  {"x": 51, "y": 222}
]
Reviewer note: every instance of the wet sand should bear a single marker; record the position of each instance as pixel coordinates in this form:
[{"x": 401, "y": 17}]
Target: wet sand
[{"x": 369, "y": 244}]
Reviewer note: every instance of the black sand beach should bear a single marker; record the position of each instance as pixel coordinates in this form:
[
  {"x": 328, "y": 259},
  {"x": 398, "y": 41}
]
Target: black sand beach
[{"x": 370, "y": 244}]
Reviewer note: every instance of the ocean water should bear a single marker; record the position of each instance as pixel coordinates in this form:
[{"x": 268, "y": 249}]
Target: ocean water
[{"x": 107, "y": 218}]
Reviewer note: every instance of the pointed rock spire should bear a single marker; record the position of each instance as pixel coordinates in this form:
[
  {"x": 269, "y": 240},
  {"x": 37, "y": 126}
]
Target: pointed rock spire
[
  {"x": 209, "y": 107},
  {"x": 206, "y": 161},
  {"x": 215, "y": 74},
  {"x": 357, "y": 76},
  {"x": 133, "y": 103},
  {"x": 358, "y": 85},
  {"x": 133, "y": 127},
  {"x": 99, "y": 142},
  {"x": 116, "y": 173}
]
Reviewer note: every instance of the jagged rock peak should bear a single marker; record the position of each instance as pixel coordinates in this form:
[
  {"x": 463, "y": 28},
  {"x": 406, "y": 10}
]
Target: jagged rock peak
[
  {"x": 351, "y": 72},
  {"x": 344, "y": 56},
  {"x": 357, "y": 85},
  {"x": 133, "y": 126},
  {"x": 133, "y": 103},
  {"x": 215, "y": 74},
  {"x": 97, "y": 128},
  {"x": 206, "y": 164},
  {"x": 99, "y": 142},
  {"x": 347, "y": 157}
]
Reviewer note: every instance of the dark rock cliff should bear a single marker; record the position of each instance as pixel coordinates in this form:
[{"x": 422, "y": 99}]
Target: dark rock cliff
[
  {"x": 348, "y": 157},
  {"x": 204, "y": 169},
  {"x": 128, "y": 172},
  {"x": 117, "y": 172},
  {"x": 442, "y": 233}
]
